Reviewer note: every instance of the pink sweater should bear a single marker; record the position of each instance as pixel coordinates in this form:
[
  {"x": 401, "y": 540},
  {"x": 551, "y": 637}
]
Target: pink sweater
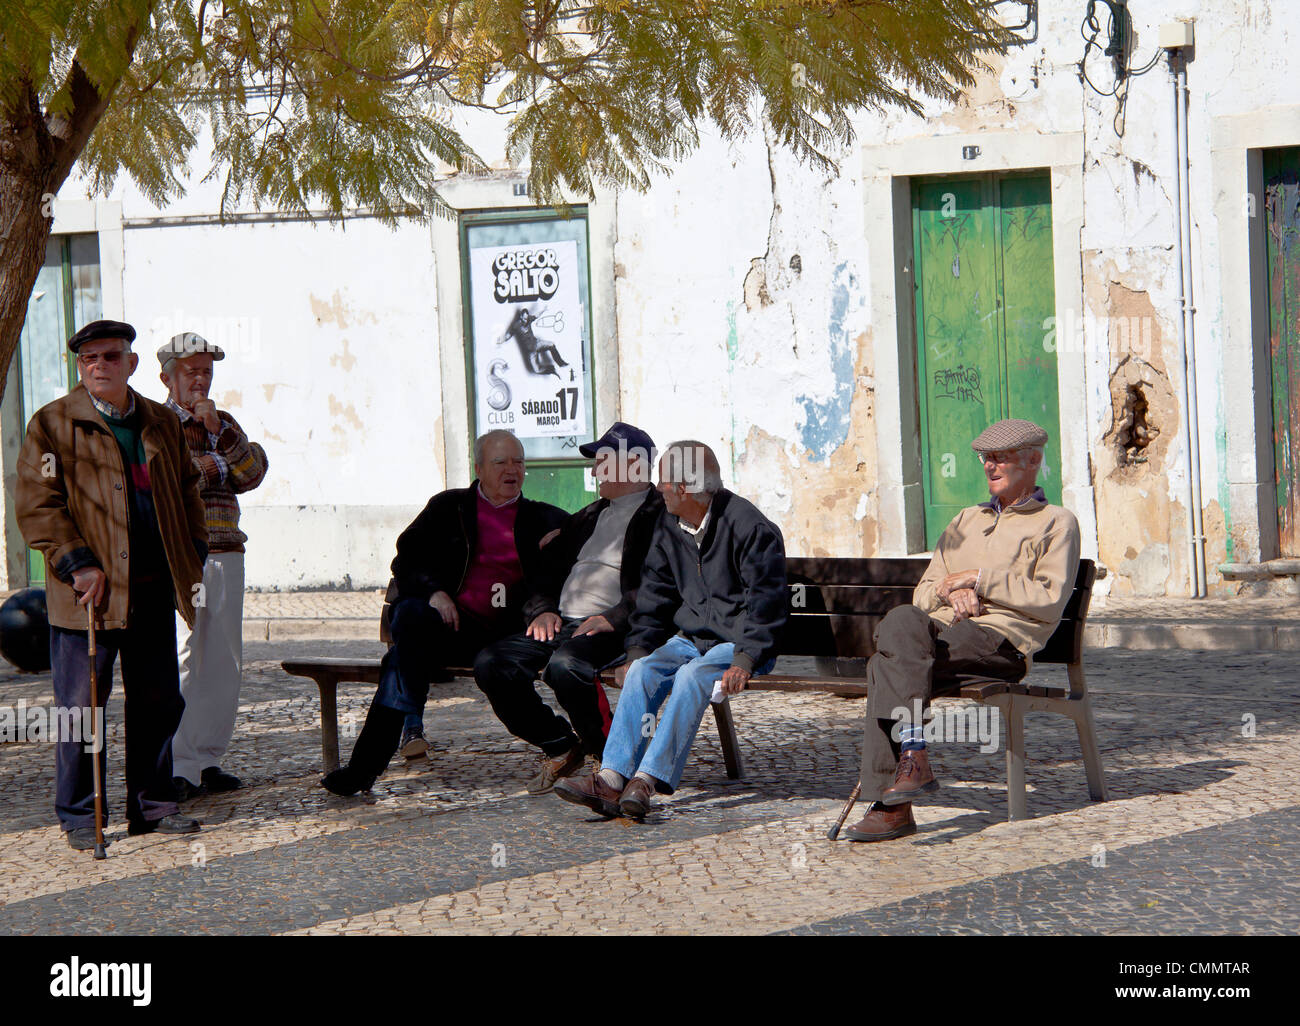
[{"x": 494, "y": 569}]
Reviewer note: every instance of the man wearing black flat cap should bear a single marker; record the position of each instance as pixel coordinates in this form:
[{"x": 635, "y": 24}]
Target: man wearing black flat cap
[
  {"x": 578, "y": 622},
  {"x": 108, "y": 494}
]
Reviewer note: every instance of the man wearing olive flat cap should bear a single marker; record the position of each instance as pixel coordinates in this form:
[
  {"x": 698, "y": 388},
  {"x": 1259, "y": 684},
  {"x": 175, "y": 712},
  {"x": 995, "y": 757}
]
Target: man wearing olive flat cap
[
  {"x": 212, "y": 654},
  {"x": 107, "y": 493},
  {"x": 993, "y": 594}
]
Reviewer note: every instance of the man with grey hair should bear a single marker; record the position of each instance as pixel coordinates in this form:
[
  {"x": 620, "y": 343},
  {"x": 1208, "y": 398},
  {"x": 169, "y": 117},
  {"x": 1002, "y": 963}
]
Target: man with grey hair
[
  {"x": 992, "y": 595},
  {"x": 212, "y": 654},
  {"x": 710, "y": 609},
  {"x": 463, "y": 570}
]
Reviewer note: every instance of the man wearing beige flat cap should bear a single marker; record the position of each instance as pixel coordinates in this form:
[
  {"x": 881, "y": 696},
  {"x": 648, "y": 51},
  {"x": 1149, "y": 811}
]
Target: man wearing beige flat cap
[
  {"x": 212, "y": 654},
  {"x": 993, "y": 594}
]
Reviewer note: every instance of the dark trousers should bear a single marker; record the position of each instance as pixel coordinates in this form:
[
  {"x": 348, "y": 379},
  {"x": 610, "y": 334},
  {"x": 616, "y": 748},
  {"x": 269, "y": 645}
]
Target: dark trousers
[
  {"x": 917, "y": 657},
  {"x": 505, "y": 672},
  {"x": 153, "y": 712},
  {"x": 423, "y": 648}
]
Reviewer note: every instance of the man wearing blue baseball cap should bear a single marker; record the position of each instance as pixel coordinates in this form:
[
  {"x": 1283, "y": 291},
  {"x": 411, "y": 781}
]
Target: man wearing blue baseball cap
[{"x": 577, "y": 623}]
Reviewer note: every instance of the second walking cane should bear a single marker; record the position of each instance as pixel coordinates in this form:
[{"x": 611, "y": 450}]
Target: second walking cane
[{"x": 97, "y": 722}]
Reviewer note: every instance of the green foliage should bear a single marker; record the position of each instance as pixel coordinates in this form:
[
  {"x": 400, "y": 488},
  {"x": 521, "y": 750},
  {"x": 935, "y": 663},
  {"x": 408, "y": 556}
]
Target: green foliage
[{"x": 343, "y": 102}]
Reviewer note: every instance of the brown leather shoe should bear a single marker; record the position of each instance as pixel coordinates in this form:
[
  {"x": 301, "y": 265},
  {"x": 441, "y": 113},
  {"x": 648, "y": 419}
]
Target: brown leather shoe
[
  {"x": 635, "y": 801},
  {"x": 912, "y": 779},
  {"x": 883, "y": 824},
  {"x": 552, "y": 769},
  {"x": 589, "y": 790}
]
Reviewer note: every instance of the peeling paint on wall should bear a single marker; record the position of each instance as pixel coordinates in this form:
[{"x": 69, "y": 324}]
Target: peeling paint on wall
[
  {"x": 344, "y": 360},
  {"x": 335, "y": 311},
  {"x": 826, "y": 421},
  {"x": 347, "y": 411},
  {"x": 825, "y": 506}
]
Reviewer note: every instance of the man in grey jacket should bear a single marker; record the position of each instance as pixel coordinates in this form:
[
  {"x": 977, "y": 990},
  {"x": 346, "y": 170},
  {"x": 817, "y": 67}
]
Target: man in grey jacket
[{"x": 711, "y": 606}]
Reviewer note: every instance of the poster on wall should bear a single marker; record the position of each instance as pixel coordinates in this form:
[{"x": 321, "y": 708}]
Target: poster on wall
[{"x": 528, "y": 325}]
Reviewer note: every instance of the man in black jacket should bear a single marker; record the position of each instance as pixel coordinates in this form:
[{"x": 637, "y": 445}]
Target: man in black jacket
[
  {"x": 709, "y": 611},
  {"x": 578, "y": 623},
  {"x": 463, "y": 569}
]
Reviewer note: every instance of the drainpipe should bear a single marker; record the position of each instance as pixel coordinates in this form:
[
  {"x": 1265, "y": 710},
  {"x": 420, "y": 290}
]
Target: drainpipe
[{"x": 1187, "y": 330}]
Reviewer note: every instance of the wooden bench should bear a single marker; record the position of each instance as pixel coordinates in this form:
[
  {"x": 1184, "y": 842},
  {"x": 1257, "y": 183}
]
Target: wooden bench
[
  {"x": 329, "y": 673},
  {"x": 835, "y": 605}
]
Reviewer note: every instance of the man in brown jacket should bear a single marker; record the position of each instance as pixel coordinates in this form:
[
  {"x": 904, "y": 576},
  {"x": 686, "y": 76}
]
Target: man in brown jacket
[
  {"x": 108, "y": 494},
  {"x": 993, "y": 594}
]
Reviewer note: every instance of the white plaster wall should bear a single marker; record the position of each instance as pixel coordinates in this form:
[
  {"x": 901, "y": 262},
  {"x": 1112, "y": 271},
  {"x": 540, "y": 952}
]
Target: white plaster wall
[{"x": 332, "y": 365}]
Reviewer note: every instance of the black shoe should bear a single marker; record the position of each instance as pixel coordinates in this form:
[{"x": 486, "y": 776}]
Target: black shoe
[
  {"x": 185, "y": 790},
  {"x": 173, "y": 824},
  {"x": 215, "y": 781},
  {"x": 376, "y": 745},
  {"x": 345, "y": 782},
  {"x": 83, "y": 839}
]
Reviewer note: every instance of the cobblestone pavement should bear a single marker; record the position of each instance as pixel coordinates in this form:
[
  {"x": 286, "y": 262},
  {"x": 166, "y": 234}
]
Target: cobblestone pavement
[{"x": 1200, "y": 750}]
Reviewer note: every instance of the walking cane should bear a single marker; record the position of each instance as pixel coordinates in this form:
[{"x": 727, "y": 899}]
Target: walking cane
[
  {"x": 97, "y": 746},
  {"x": 834, "y": 832}
]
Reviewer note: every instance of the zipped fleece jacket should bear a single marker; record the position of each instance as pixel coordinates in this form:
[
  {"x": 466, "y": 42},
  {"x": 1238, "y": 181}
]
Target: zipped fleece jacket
[
  {"x": 74, "y": 509},
  {"x": 729, "y": 588},
  {"x": 1027, "y": 557},
  {"x": 561, "y": 553},
  {"x": 434, "y": 552}
]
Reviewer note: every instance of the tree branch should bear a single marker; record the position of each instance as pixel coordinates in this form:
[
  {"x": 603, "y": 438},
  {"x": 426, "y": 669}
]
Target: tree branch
[{"x": 71, "y": 134}]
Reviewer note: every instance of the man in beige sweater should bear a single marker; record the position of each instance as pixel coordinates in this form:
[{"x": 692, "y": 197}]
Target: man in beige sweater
[{"x": 993, "y": 594}]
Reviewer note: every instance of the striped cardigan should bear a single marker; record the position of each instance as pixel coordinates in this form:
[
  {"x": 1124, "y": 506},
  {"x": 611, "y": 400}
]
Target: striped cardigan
[{"x": 246, "y": 463}]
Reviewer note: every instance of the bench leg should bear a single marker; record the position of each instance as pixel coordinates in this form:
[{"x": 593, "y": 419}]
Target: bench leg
[
  {"x": 329, "y": 721},
  {"x": 727, "y": 735},
  {"x": 1015, "y": 714},
  {"x": 1087, "y": 728},
  {"x": 1081, "y": 713}
]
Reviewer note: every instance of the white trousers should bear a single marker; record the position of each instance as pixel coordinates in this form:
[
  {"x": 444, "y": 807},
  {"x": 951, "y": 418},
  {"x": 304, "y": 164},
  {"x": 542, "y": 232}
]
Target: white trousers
[{"x": 211, "y": 661}]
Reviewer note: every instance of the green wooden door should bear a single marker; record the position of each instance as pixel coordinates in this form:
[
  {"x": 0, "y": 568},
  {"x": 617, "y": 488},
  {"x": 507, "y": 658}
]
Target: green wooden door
[
  {"x": 1282, "y": 207},
  {"x": 66, "y": 296},
  {"x": 984, "y": 290}
]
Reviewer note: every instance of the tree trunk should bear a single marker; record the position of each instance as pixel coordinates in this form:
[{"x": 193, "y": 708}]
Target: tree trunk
[
  {"x": 36, "y": 157},
  {"x": 26, "y": 218},
  {"x": 28, "y": 167}
]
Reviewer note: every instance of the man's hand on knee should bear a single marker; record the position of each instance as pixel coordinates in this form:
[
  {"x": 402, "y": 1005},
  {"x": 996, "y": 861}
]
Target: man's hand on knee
[
  {"x": 965, "y": 604},
  {"x": 544, "y": 626},
  {"x": 597, "y": 624},
  {"x": 734, "y": 680},
  {"x": 446, "y": 608}
]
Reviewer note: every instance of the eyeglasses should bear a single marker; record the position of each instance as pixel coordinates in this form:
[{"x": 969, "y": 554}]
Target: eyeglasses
[
  {"x": 112, "y": 356},
  {"x": 1002, "y": 458}
]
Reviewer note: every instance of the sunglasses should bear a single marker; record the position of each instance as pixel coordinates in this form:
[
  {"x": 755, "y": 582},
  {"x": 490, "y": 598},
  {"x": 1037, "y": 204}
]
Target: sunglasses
[
  {"x": 112, "y": 357},
  {"x": 1002, "y": 458}
]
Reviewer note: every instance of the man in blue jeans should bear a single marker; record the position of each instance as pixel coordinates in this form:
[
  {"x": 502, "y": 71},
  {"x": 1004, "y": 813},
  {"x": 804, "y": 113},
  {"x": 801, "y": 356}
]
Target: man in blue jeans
[{"x": 711, "y": 607}]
